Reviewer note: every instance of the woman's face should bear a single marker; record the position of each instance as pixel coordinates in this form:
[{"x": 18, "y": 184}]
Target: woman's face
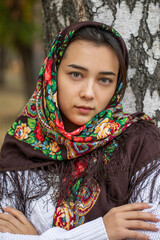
[{"x": 87, "y": 80}]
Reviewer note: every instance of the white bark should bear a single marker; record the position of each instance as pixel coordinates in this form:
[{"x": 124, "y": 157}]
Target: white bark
[{"x": 138, "y": 23}]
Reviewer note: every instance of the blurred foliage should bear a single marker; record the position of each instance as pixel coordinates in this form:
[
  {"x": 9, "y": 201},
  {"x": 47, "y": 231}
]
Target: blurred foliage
[
  {"x": 20, "y": 28},
  {"x": 17, "y": 22}
]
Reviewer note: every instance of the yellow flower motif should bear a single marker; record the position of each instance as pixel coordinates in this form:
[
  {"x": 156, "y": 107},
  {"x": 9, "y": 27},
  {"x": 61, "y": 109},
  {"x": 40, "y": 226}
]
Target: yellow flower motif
[
  {"x": 106, "y": 128},
  {"x": 54, "y": 148},
  {"x": 102, "y": 129},
  {"x": 22, "y": 131},
  {"x": 52, "y": 125},
  {"x": 63, "y": 212}
]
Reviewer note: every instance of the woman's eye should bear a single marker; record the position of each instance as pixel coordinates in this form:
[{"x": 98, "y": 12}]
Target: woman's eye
[
  {"x": 105, "y": 80},
  {"x": 76, "y": 75}
]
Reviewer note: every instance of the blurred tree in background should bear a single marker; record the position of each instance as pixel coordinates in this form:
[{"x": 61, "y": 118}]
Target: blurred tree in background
[
  {"x": 18, "y": 29},
  {"x": 21, "y": 56}
]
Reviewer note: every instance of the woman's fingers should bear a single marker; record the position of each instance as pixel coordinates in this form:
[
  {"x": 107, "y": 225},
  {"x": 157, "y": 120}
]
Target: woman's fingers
[
  {"x": 139, "y": 215},
  {"x": 16, "y": 213},
  {"x": 4, "y": 229},
  {"x": 125, "y": 221},
  {"x": 141, "y": 225},
  {"x": 9, "y": 220},
  {"x": 132, "y": 214},
  {"x": 15, "y": 222},
  {"x": 133, "y": 207},
  {"x": 6, "y": 226},
  {"x": 131, "y": 234}
]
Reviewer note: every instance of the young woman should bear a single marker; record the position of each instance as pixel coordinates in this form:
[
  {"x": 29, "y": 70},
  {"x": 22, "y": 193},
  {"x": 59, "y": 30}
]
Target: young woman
[{"x": 74, "y": 165}]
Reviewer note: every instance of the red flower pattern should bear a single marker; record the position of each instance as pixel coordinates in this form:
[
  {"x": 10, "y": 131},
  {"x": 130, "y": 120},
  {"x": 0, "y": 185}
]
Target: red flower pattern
[
  {"x": 80, "y": 168},
  {"x": 47, "y": 75},
  {"x": 33, "y": 107},
  {"x": 38, "y": 133}
]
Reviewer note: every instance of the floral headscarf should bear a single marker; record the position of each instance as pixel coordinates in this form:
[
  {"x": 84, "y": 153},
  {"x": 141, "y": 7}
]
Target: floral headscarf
[{"x": 42, "y": 126}]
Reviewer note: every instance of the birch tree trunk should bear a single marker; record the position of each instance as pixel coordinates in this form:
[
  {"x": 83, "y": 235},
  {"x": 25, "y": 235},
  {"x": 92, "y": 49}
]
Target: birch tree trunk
[{"x": 138, "y": 23}]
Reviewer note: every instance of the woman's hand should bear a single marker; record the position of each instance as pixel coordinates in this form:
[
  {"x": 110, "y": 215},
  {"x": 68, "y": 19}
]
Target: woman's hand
[
  {"x": 15, "y": 222},
  {"x": 121, "y": 222}
]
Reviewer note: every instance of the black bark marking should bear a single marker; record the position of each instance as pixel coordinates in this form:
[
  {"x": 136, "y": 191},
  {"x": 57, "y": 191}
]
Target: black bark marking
[
  {"x": 69, "y": 11},
  {"x": 88, "y": 9},
  {"x": 157, "y": 116},
  {"x": 142, "y": 79},
  {"x": 47, "y": 24},
  {"x": 131, "y": 4}
]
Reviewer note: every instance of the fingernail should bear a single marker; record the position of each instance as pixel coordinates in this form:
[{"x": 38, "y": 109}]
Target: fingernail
[
  {"x": 4, "y": 207},
  {"x": 156, "y": 229},
  {"x": 150, "y": 205}
]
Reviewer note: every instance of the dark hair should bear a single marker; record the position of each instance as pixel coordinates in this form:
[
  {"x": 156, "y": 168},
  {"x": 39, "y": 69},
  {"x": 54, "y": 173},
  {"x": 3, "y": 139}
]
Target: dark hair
[{"x": 101, "y": 37}]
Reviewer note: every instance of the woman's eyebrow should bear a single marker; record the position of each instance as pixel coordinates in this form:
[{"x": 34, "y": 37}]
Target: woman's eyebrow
[
  {"x": 78, "y": 67},
  {"x": 85, "y": 69},
  {"x": 108, "y": 73}
]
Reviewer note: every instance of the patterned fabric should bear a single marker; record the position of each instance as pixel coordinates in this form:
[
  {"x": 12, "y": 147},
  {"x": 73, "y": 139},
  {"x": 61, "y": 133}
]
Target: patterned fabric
[
  {"x": 69, "y": 216},
  {"x": 40, "y": 125}
]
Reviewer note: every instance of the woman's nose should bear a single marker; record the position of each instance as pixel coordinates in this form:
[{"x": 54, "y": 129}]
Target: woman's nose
[{"x": 87, "y": 90}]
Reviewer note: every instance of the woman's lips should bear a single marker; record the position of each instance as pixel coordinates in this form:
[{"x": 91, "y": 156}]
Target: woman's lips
[{"x": 84, "y": 109}]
